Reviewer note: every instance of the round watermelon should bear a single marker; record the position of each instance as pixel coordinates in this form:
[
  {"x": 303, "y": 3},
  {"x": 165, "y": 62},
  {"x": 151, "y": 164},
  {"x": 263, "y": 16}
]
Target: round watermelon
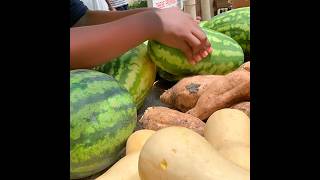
[
  {"x": 227, "y": 56},
  {"x": 102, "y": 116},
  {"x": 134, "y": 71},
  {"x": 234, "y": 23}
]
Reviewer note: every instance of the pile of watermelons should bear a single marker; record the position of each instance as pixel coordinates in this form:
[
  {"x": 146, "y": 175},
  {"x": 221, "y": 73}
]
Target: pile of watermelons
[{"x": 104, "y": 100}]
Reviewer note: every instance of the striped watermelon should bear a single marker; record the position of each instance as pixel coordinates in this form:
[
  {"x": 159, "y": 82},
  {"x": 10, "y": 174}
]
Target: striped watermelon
[
  {"x": 202, "y": 23},
  {"x": 226, "y": 57},
  {"x": 102, "y": 116},
  {"x": 134, "y": 71},
  {"x": 234, "y": 23}
]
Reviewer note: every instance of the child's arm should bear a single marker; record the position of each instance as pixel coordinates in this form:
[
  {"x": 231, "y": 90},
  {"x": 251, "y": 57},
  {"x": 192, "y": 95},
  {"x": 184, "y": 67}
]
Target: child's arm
[
  {"x": 94, "y": 45},
  {"x": 100, "y": 17}
]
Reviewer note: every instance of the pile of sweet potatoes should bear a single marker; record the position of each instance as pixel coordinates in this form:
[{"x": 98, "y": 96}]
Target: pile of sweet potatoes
[{"x": 193, "y": 99}]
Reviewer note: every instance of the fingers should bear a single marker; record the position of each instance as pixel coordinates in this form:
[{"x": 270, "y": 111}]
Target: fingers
[
  {"x": 194, "y": 43},
  {"x": 205, "y": 44},
  {"x": 198, "y": 19},
  {"x": 198, "y": 33},
  {"x": 209, "y": 50},
  {"x": 187, "y": 50}
]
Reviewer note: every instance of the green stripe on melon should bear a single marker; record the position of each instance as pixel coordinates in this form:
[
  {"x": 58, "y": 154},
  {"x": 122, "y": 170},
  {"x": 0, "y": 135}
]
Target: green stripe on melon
[
  {"x": 134, "y": 71},
  {"x": 102, "y": 117},
  {"x": 226, "y": 57},
  {"x": 234, "y": 23}
]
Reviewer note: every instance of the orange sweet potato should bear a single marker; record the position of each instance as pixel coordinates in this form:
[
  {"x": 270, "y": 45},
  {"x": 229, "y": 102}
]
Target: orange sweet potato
[
  {"x": 185, "y": 94},
  {"x": 156, "y": 118},
  {"x": 232, "y": 88},
  {"x": 245, "y": 66}
]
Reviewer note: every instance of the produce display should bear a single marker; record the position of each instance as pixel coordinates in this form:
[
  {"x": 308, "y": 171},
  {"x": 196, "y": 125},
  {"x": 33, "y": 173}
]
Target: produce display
[
  {"x": 102, "y": 117},
  {"x": 226, "y": 57},
  {"x": 150, "y": 115},
  {"x": 234, "y": 23},
  {"x": 134, "y": 71}
]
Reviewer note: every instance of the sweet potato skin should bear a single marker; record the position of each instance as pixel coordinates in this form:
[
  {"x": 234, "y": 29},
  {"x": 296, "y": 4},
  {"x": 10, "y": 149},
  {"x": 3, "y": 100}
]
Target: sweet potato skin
[
  {"x": 185, "y": 94},
  {"x": 156, "y": 118},
  {"x": 245, "y": 66},
  {"x": 223, "y": 93}
]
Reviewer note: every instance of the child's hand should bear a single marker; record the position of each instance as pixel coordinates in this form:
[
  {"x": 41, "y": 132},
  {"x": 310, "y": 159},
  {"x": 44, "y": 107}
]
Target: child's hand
[
  {"x": 198, "y": 19},
  {"x": 179, "y": 30}
]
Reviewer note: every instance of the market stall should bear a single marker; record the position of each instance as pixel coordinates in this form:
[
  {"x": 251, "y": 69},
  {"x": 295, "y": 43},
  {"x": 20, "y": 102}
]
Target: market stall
[{"x": 150, "y": 114}]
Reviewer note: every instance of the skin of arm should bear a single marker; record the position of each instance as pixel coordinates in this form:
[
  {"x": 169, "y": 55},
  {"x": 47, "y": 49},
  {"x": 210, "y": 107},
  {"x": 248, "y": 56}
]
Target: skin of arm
[
  {"x": 88, "y": 45},
  {"x": 98, "y": 38},
  {"x": 101, "y": 17}
]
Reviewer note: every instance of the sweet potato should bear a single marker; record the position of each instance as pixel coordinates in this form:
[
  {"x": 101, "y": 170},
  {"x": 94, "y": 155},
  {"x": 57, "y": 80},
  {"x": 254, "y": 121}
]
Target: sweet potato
[
  {"x": 156, "y": 118},
  {"x": 185, "y": 94},
  {"x": 245, "y": 66},
  {"x": 242, "y": 106},
  {"x": 232, "y": 88}
]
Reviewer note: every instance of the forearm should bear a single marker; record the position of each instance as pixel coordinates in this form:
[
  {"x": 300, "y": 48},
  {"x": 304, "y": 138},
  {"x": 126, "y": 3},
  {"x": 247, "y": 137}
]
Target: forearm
[
  {"x": 101, "y": 17},
  {"x": 95, "y": 45}
]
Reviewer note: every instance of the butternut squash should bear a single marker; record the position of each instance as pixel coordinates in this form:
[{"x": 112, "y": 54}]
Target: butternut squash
[
  {"x": 136, "y": 140},
  {"x": 178, "y": 153},
  {"x": 228, "y": 131},
  {"x": 125, "y": 169}
]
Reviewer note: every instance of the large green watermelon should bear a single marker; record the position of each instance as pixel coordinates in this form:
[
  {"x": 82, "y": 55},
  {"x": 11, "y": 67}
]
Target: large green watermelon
[
  {"x": 134, "y": 71},
  {"x": 226, "y": 57},
  {"x": 102, "y": 116},
  {"x": 234, "y": 23}
]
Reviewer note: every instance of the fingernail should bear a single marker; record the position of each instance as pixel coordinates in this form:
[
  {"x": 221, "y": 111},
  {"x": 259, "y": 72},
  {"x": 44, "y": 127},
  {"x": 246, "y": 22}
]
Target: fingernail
[
  {"x": 209, "y": 50},
  {"x": 204, "y": 54}
]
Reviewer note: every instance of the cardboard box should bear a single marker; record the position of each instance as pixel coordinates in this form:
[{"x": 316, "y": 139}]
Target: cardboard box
[{"x": 240, "y": 3}]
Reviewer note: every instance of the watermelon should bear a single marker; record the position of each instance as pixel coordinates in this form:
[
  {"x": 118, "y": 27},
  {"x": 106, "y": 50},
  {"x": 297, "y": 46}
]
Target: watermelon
[
  {"x": 134, "y": 71},
  {"x": 202, "y": 23},
  {"x": 102, "y": 116},
  {"x": 234, "y": 23},
  {"x": 226, "y": 57}
]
